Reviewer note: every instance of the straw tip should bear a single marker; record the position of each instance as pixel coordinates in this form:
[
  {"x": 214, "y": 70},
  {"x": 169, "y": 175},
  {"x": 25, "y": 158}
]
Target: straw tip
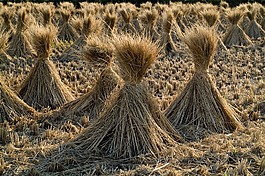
[{"x": 135, "y": 54}]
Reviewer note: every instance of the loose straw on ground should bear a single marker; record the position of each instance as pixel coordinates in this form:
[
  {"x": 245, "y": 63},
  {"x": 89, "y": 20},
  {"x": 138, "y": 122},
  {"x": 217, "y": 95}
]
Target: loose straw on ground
[{"x": 200, "y": 109}]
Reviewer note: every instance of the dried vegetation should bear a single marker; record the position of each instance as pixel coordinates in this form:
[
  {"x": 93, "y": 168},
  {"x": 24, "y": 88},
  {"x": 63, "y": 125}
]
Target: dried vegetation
[{"x": 111, "y": 93}]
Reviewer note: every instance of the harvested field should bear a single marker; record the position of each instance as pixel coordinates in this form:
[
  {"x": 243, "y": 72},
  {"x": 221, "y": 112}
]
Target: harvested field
[{"x": 146, "y": 83}]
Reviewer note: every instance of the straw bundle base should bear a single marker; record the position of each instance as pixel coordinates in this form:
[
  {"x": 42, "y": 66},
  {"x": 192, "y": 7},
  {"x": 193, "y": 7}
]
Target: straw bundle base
[
  {"x": 201, "y": 106},
  {"x": 43, "y": 87},
  {"x": 236, "y": 36},
  {"x": 124, "y": 131},
  {"x": 11, "y": 105}
]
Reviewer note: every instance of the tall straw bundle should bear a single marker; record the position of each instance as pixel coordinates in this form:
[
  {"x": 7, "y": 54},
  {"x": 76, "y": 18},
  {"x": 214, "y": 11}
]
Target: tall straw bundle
[
  {"x": 20, "y": 45},
  {"x": 128, "y": 128},
  {"x": 200, "y": 108},
  {"x": 7, "y": 14},
  {"x": 91, "y": 27},
  {"x": 67, "y": 31},
  {"x": 43, "y": 87},
  {"x": 149, "y": 19},
  {"x": 254, "y": 30},
  {"x": 211, "y": 17},
  {"x": 235, "y": 35},
  {"x": 4, "y": 57},
  {"x": 262, "y": 12},
  {"x": 178, "y": 15},
  {"x": 97, "y": 52},
  {"x": 168, "y": 22},
  {"x": 11, "y": 105},
  {"x": 47, "y": 13},
  {"x": 110, "y": 22},
  {"x": 127, "y": 20}
]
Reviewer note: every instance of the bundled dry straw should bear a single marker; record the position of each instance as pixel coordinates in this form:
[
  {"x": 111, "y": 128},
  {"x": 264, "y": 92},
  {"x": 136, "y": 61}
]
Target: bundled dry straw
[
  {"x": 254, "y": 30},
  {"x": 235, "y": 35},
  {"x": 67, "y": 32},
  {"x": 168, "y": 22},
  {"x": 20, "y": 45},
  {"x": 91, "y": 27},
  {"x": 200, "y": 109},
  {"x": 4, "y": 57},
  {"x": 110, "y": 22},
  {"x": 47, "y": 13},
  {"x": 7, "y": 14},
  {"x": 11, "y": 105},
  {"x": 127, "y": 21},
  {"x": 98, "y": 52},
  {"x": 149, "y": 20},
  {"x": 211, "y": 17},
  {"x": 131, "y": 125},
  {"x": 43, "y": 87}
]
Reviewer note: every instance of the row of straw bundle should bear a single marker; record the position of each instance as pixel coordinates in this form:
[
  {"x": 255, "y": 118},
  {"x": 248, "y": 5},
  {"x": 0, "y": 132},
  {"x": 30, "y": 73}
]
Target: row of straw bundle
[{"x": 131, "y": 125}]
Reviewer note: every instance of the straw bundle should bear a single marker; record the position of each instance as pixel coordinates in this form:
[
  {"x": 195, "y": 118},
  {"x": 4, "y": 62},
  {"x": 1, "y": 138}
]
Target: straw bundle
[
  {"x": 67, "y": 32},
  {"x": 43, "y": 87},
  {"x": 11, "y": 105},
  {"x": 235, "y": 35},
  {"x": 127, "y": 21},
  {"x": 262, "y": 12},
  {"x": 47, "y": 13},
  {"x": 91, "y": 27},
  {"x": 128, "y": 128},
  {"x": 168, "y": 43},
  {"x": 4, "y": 57},
  {"x": 20, "y": 45},
  {"x": 7, "y": 15},
  {"x": 254, "y": 30},
  {"x": 97, "y": 53},
  {"x": 200, "y": 106},
  {"x": 211, "y": 17},
  {"x": 149, "y": 19},
  {"x": 110, "y": 22}
]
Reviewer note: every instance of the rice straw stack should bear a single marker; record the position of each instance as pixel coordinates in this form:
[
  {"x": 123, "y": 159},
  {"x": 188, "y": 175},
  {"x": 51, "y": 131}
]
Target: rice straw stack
[
  {"x": 67, "y": 32},
  {"x": 91, "y": 27},
  {"x": 20, "y": 45},
  {"x": 43, "y": 87},
  {"x": 200, "y": 109},
  {"x": 254, "y": 30},
  {"x": 131, "y": 125},
  {"x": 97, "y": 53},
  {"x": 235, "y": 35}
]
